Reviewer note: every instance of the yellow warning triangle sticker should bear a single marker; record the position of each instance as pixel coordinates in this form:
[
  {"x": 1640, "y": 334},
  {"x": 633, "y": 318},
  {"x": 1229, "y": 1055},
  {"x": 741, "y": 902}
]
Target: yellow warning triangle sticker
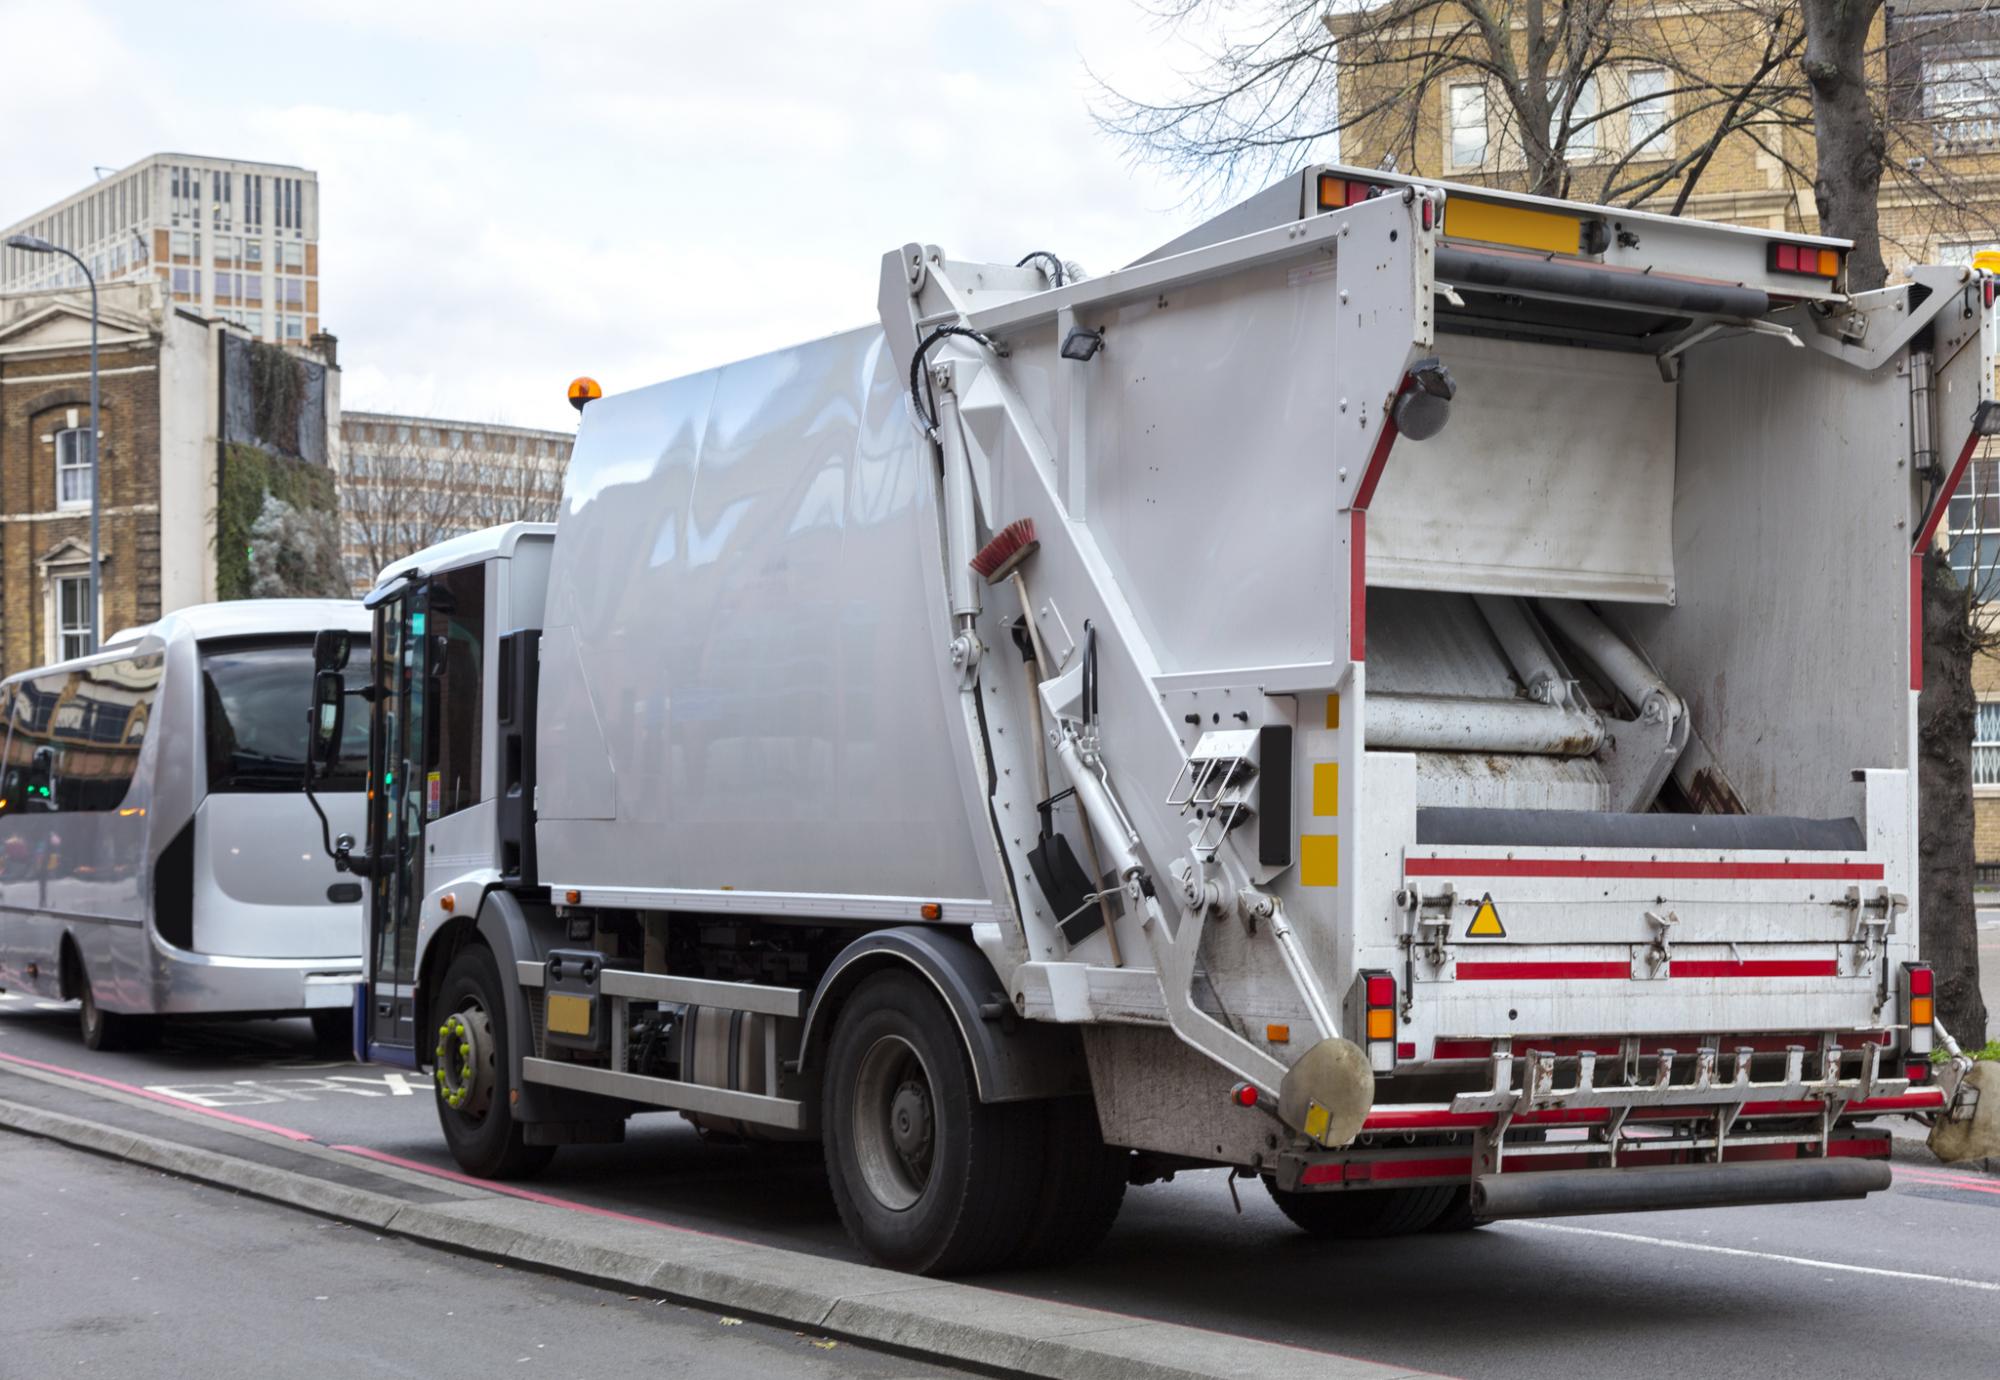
[{"x": 1486, "y": 921}]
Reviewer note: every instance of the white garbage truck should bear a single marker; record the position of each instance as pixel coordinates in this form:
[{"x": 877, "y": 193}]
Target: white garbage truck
[{"x": 1407, "y": 692}]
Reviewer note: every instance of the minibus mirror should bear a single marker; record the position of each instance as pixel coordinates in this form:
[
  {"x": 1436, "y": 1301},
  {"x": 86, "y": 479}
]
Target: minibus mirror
[
  {"x": 329, "y": 716},
  {"x": 331, "y": 648}
]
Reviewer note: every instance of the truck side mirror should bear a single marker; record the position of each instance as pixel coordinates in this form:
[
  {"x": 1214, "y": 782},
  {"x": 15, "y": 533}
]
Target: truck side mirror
[
  {"x": 331, "y": 649},
  {"x": 329, "y": 716}
]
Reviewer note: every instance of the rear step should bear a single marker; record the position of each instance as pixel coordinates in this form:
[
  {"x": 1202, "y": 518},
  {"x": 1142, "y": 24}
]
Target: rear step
[{"x": 1566, "y": 1192}]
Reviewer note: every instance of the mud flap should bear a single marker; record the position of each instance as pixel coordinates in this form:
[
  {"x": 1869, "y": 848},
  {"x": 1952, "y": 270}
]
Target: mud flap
[{"x": 1970, "y": 1128}]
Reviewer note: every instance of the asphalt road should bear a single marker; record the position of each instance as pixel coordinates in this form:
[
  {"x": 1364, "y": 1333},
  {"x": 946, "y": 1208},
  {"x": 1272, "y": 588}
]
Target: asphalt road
[
  {"x": 1906, "y": 1282},
  {"x": 108, "y": 1269}
]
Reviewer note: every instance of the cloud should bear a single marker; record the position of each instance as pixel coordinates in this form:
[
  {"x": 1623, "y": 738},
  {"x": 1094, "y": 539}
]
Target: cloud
[{"x": 629, "y": 190}]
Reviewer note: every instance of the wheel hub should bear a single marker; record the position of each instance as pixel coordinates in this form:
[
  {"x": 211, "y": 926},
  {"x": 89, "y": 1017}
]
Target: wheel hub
[
  {"x": 465, "y": 1062},
  {"x": 910, "y": 1121},
  {"x": 895, "y": 1126}
]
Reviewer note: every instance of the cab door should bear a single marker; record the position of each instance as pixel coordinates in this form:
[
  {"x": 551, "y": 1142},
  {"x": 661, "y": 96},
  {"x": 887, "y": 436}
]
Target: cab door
[{"x": 396, "y": 816}]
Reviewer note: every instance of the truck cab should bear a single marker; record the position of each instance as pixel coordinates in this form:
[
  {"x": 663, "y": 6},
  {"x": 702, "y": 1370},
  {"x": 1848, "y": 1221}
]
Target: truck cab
[{"x": 448, "y": 795}]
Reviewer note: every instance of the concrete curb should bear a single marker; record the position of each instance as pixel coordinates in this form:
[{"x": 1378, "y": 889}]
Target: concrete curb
[{"x": 935, "y": 1320}]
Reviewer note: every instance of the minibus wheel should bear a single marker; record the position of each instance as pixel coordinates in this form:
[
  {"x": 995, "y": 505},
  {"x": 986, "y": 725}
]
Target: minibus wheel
[
  {"x": 471, "y": 1074},
  {"x": 103, "y": 1029},
  {"x": 926, "y": 1176}
]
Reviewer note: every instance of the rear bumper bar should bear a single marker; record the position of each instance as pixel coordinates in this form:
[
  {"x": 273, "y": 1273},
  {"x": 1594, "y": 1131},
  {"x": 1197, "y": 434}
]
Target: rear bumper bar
[{"x": 1565, "y": 1192}]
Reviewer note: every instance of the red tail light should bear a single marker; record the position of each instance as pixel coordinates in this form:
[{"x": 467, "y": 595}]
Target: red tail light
[{"x": 1806, "y": 260}]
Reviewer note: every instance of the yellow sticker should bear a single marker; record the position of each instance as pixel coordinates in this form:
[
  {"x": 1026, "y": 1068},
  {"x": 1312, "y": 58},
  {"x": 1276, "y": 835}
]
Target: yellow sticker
[
  {"x": 1486, "y": 921},
  {"x": 1317, "y": 1118}
]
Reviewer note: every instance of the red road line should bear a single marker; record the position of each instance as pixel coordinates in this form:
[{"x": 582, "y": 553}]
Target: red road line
[
  {"x": 548, "y": 1200},
  {"x": 287, "y": 1132},
  {"x": 1642, "y": 869},
  {"x": 1946, "y": 1181}
]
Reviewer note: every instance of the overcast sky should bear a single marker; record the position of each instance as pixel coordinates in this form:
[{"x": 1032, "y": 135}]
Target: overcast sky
[{"x": 514, "y": 193}]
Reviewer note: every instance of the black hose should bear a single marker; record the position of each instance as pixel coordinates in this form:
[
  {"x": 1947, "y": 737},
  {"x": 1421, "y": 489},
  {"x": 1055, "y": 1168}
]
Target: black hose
[
  {"x": 928, "y": 416},
  {"x": 1055, "y": 275}
]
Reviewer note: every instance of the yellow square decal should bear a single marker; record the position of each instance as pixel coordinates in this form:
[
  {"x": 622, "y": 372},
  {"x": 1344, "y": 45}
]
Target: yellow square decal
[
  {"x": 569, "y": 1014},
  {"x": 1326, "y": 788},
  {"x": 1317, "y": 1118},
  {"x": 1319, "y": 860}
]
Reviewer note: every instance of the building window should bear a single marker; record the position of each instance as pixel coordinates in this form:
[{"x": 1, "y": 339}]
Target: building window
[
  {"x": 1468, "y": 126},
  {"x": 1973, "y": 520},
  {"x": 295, "y": 255},
  {"x": 1962, "y": 100},
  {"x": 1647, "y": 116},
  {"x": 74, "y": 634},
  {"x": 253, "y": 252},
  {"x": 1986, "y": 744},
  {"x": 72, "y": 468},
  {"x": 1582, "y": 144}
]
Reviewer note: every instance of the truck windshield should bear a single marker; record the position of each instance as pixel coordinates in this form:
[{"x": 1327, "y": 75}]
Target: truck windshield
[{"x": 255, "y": 699}]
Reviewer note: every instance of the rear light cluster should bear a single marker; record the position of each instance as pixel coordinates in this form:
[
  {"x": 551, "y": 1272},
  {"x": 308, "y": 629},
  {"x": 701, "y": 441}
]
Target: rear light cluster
[
  {"x": 1919, "y": 1007},
  {"x": 1378, "y": 1021},
  {"x": 1336, "y": 192},
  {"x": 1807, "y": 260}
]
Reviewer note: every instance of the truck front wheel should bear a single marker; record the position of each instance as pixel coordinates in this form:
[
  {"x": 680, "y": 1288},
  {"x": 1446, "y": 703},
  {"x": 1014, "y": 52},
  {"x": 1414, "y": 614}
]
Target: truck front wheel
[
  {"x": 1354, "y": 1214},
  {"x": 471, "y": 1078},
  {"x": 926, "y": 1176}
]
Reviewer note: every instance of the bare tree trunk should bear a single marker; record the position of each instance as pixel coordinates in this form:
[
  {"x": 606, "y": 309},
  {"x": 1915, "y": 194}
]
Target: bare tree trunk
[
  {"x": 1944, "y": 784},
  {"x": 1847, "y": 131}
]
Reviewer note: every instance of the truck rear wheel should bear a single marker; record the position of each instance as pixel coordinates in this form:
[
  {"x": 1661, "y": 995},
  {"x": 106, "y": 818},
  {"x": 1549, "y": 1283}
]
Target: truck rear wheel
[
  {"x": 1355, "y": 1214},
  {"x": 1458, "y": 1214},
  {"x": 926, "y": 1176},
  {"x": 471, "y": 1080},
  {"x": 1083, "y": 1186}
]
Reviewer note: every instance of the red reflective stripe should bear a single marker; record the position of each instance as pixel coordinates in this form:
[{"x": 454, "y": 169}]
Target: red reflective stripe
[
  {"x": 1500, "y": 972},
  {"x": 1364, "y": 493},
  {"x": 1321, "y": 1174},
  {"x": 1874, "y": 1149},
  {"x": 1913, "y": 1101},
  {"x": 1639, "y": 868},
  {"x": 1757, "y": 967},
  {"x": 1454, "y": 1166},
  {"x": 1357, "y": 585},
  {"x": 1929, "y": 529}
]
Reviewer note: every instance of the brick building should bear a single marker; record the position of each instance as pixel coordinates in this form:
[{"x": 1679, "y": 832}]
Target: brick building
[{"x": 174, "y": 397}]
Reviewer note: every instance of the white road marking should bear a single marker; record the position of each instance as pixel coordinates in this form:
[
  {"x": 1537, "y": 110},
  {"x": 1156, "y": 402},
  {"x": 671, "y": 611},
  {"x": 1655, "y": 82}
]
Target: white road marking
[
  {"x": 251, "y": 1092},
  {"x": 1805, "y": 1261}
]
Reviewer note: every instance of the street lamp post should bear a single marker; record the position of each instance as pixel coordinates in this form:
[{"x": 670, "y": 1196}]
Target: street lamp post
[{"x": 35, "y": 244}]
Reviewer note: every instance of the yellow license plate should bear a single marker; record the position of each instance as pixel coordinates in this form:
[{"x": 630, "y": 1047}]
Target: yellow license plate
[{"x": 570, "y": 1015}]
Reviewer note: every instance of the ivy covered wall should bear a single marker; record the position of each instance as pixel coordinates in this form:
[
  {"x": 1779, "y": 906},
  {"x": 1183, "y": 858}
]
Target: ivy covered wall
[{"x": 274, "y": 470}]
